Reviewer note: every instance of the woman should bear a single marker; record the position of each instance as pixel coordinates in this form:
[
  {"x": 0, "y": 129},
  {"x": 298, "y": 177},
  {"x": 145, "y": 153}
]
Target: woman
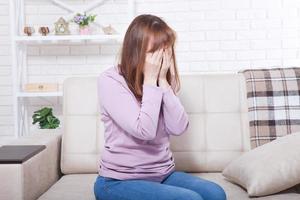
[{"x": 140, "y": 110}]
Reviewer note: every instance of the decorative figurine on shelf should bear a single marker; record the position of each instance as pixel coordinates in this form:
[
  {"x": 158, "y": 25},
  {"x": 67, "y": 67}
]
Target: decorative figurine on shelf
[
  {"x": 29, "y": 30},
  {"x": 41, "y": 87},
  {"x": 44, "y": 30},
  {"x": 62, "y": 27},
  {"x": 109, "y": 30},
  {"x": 84, "y": 22}
]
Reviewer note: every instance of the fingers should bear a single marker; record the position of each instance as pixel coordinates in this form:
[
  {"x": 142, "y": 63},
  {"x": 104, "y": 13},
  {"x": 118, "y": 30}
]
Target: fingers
[
  {"x": 148, "y": 57},
  {"x": 169, "y": 54},
  {"x": 169, "y": 51},
  {"x": 158, "y": 55},
  {"x": 155, "y": 58},
  {"x": 166, "y": 61},
  {"x": 165, "y": 58},
  {"x": 153, "y": 54}
]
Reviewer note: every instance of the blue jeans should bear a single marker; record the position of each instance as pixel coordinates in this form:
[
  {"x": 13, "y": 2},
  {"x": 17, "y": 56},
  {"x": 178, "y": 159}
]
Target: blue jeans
[{"x": 178, "y": 185}]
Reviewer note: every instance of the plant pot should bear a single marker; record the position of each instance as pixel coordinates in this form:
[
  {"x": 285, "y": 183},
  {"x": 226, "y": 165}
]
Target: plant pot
[
  {"x": 85, "y": 30},
  {"x": 37, "y": 130}
]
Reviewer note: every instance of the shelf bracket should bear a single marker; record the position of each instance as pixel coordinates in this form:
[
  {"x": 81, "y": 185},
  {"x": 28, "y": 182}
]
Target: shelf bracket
[
  {"x": 72, "y": 9},
  {"x": 64, "y": 5}
]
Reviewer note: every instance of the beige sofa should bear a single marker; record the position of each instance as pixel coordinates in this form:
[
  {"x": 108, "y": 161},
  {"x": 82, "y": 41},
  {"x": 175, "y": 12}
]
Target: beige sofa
[{"x": 67, "y": 169}]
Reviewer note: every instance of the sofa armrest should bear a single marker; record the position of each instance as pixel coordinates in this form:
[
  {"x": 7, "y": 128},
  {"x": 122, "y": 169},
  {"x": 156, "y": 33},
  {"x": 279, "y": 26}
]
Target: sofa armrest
[{"x": 30, "y": 179}]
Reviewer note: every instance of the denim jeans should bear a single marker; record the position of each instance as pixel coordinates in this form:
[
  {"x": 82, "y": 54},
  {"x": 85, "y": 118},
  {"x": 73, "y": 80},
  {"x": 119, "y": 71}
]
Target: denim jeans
[{"x": 178, "y": 185}]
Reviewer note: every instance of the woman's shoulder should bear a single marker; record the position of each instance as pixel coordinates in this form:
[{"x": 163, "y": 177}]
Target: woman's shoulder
[
  {"x": 111, "y": 76},
  {"x": 110, "y": 73}
]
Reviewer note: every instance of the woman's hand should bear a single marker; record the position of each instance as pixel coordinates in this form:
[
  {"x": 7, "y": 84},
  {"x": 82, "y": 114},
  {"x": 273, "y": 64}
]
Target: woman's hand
[
  {"x": 152, "y": 66},
  {"x": 167, "y": 63}
]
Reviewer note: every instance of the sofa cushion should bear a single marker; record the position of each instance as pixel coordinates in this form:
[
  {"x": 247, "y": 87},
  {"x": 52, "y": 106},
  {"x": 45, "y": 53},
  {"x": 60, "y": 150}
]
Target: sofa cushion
[
  {"x": 273, "y": 101},
  {"x": 80, "y": 186},
  {"x": 269, "y": 168},
  {"x": 72, "y": 187}
]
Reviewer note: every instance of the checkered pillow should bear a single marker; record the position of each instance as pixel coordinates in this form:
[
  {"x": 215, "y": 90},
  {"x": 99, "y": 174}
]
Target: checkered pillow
[{"x": 273, "y": 103}]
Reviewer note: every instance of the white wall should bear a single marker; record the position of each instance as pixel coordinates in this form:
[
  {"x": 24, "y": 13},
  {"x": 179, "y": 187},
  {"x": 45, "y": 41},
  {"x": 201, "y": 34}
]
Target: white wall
[
  {"x": 213, "y": 35},
  {"x": 6, "y": 118}
]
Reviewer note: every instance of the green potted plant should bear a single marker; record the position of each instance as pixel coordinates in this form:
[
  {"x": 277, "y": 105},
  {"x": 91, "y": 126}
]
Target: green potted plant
[
  {"x": 45, "y": 119},
  {"x": 84, "y": 20}
]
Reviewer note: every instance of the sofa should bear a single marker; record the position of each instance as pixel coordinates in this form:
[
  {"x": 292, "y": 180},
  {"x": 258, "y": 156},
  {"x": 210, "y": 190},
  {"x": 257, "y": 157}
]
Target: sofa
[{"x": 67, "y": 169}]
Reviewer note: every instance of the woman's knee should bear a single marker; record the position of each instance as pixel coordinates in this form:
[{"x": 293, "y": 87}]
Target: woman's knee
[
  {"x": 187, "y": 194},
  {"x": 217, "y": 192}
]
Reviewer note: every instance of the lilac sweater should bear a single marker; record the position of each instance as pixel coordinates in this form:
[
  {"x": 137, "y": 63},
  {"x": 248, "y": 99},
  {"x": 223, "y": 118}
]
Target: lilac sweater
[{"x": 137, "y": 134}]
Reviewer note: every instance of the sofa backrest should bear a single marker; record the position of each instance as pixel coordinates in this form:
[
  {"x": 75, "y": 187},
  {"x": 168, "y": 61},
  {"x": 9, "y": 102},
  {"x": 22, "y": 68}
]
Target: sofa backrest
[{"x": 218, "y": 131}]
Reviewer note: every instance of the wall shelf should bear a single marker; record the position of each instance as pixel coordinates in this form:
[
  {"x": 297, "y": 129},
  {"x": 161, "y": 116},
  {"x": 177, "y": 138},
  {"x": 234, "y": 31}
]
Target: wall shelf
[
  {"x": 39, "y": 94},
  {"x": 68, "y": 38},
  {"x": 20, "y": 42}
]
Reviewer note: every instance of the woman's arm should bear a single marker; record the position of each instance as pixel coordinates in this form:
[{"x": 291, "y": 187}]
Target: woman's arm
[
  {"x": 120, "y": 104},
  {"x": 175, "y": 118}
]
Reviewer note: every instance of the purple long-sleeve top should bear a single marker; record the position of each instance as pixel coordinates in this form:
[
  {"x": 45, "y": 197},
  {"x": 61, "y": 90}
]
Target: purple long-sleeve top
[{"x": 136, "y": 135}]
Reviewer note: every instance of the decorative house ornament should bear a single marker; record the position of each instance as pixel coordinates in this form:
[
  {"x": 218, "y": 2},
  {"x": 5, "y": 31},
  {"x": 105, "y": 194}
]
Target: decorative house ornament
[
  {"x": 44, "y": 30},
  {"x": 109, "y": 30},
  {"x": 29, "y": 30},
  {"x": 62, "y": 27},
  {"x": 41, "y": 87}
]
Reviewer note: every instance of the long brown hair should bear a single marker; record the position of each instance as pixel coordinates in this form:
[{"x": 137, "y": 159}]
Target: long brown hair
[{"x": 134, "y": 49}]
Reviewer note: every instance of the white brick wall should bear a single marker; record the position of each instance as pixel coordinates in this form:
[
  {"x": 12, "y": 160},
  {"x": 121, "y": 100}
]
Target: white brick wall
[
  {"x": 6, "y": 118},
  {"x": 213, "y": 35}
]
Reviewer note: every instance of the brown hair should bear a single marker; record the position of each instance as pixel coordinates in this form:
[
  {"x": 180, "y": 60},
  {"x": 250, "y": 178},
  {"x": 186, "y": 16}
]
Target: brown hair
[{"x": 134, "y": 49}]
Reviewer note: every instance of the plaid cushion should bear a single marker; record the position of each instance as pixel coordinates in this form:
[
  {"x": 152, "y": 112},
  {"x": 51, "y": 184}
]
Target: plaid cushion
[{"x": 273, "y": 103}]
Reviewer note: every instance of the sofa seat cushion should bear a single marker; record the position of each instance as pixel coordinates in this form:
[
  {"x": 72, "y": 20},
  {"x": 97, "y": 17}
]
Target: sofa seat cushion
[
  {"x": 236, "y": 192},
  {"x": 72, "y": 187},
  {"x": 80, "y": 186}
]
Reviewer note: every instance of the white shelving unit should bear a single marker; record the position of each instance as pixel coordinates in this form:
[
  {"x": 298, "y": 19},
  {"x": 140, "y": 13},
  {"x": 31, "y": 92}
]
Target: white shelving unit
[
  {"x": 19, "y": 43},
  {"x": 68, "y": 38}
]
